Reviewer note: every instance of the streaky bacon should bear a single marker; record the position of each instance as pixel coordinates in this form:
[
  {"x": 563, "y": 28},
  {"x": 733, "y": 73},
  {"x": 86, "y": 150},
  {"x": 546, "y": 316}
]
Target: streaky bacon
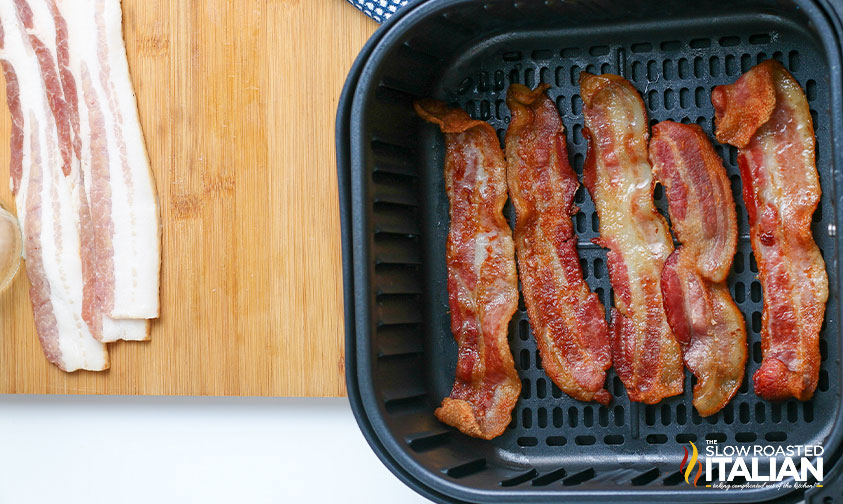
[
  {"x": 55, "y": 94},
  {"x": 16, "y": 112},
  {"x": 42, "y": 173},
  {"x": 44, "y": 36},
  {"x": 617, "y": 173},
  {"x": 705, "y": 320},
  {"x": 482, "y": 282},
  {"x": 781, "y": 191},
  {"x": 567, "y": 319},
  {"x": 48, "y": 35},
  {"x": 118, "y": 183},
  {"x": 92, "y": 234}
]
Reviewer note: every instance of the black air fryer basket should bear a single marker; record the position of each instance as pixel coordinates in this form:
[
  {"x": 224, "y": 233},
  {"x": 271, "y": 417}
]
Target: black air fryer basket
[{"x": 400, "y": 354}]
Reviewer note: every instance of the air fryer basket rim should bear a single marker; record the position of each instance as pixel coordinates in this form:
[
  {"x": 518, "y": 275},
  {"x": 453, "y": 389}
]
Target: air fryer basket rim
[
  {"x": 355, "y": 272},
  {"x": 342, "y": 125}
]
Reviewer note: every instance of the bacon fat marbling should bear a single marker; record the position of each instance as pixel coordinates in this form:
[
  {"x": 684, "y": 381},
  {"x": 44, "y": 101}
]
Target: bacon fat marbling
[
  {"x": 705, "y": 320},
  {"x": 482, "y": 281},
  {"x": 781, "y": 191},
  {"x": 618, "y": 175},
  {"x": 567, "y": 319}
]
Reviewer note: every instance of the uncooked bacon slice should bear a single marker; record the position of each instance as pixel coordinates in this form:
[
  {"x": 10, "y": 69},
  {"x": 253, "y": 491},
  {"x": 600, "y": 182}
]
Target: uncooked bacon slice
[
  {"x": 705, "y": 320},
  {"x": 482, "y": 282},
  {"x": 618, "y": 175},
  {"x": 118, "y": 182},
  {"x": 43, "y": 172},
  {"x": 781, "y": 191},
  {"x": 567, "y": 319}
]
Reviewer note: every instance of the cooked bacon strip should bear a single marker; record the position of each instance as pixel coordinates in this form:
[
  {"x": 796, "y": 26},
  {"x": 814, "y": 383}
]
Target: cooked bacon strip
[
  {"x": 617, "y": 174},
  {"x": 118, "y": 182},
  {"x": 482, "y": 283},
  {"x": 705, "y": 320},
  {"x": 567, "y": 318},
  {"x": 781, "y": 190},
  {"x": 42, "y": 171},
  {"x": 741, "y": 109}
]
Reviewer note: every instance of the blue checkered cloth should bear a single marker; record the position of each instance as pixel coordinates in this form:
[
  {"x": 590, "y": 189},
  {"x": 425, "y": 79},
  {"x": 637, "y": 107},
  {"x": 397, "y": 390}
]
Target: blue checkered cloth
[{"x": 379, "y": 10}]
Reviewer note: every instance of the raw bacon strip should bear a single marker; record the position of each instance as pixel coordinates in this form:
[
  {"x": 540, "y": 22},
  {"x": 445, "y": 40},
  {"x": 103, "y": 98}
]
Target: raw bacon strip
[
  {"x": 46, "y": 205},
  {"x": 617, "y": 174},
  {"x": 482, "y": 283},
  {"x": 118, "y": 181},
  {"x": 567, "y": 318},
  {"x": 48, "y": 35},
  {"x": 781, "y": 190},
  {"x": 705, "y": 320}
]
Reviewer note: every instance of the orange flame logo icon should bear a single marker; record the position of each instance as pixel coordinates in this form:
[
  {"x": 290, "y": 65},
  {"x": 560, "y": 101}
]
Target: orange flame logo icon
[{"x": 687, "y": 470}]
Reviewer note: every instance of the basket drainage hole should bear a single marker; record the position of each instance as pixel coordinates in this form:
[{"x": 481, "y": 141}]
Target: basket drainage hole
[
  {"x": 585, "y": 440},
  {"x": 528, "y": 441},
  {"x": 776, "y": 436},
  {"x": 745, "y": 437},
  {"x": 650, "y": 414},
  {"x": 556, "y": 441},
  {"x": 646, "y": 477},
  {"x": 685, "y": 437},
  {"x": 671, "y": 45},
  {"x": 761, "y": 38},
  {"x": 521, "y": 478},
  {"x": 427, "y": 441},
  {"x": 467, "y": 469},
  {"x": 405, "y": 404},
  {"x": 642, "y": 47},
  {"x": 716, "y": 436},
  {"x": 730, "y": 41},
  {"x": 657, "y": 439},
  {"x": 542, "y": 54},
  {"x": 525, "y": 389},
  {"x": 525, "y": 359},
  {"x": 550, "y": 477},
  {"x": 613, "y": 439},
  {"x": 524, "y": 329},
  {"x": 674, "y": 479},
  {"x": 578, "y": 478},
  {"x": 700, "y": 43}
]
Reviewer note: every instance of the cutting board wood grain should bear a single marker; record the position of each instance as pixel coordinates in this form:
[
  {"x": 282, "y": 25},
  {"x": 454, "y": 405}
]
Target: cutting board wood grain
[{"x": 237, "y": 103}]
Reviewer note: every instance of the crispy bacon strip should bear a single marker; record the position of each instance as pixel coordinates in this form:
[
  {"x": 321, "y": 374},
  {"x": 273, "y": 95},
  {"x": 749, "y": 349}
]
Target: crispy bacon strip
[
  {"x": 749, "y": 106},
  {"x": 618, "y": 176},
  {"x": 705, "y": 320},
  {"x": 567, "y": 318},
  {"x": 781, "y": 191},
  {"x": 482, "y": 282}
]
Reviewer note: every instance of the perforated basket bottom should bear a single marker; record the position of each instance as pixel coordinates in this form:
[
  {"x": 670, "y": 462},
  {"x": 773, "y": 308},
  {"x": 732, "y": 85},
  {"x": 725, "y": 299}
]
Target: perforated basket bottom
[{"x": 555, "y": 438}]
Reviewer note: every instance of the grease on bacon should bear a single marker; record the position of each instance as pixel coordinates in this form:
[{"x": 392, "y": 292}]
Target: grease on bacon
[
  {"x": 781, "y": 191},
  {"x": 618, "y": 175},
  {"x": 567, "y": 319},
  {"x": 482, "y": 282},
  {"x": 705, "y": 320}
]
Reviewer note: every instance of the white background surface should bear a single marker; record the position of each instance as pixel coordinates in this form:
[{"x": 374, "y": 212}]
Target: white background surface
[{"x": 81, "y": 449}]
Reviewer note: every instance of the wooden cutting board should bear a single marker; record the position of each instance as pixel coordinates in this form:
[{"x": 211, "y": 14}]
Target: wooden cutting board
[{"x": 237, "y": 101}]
